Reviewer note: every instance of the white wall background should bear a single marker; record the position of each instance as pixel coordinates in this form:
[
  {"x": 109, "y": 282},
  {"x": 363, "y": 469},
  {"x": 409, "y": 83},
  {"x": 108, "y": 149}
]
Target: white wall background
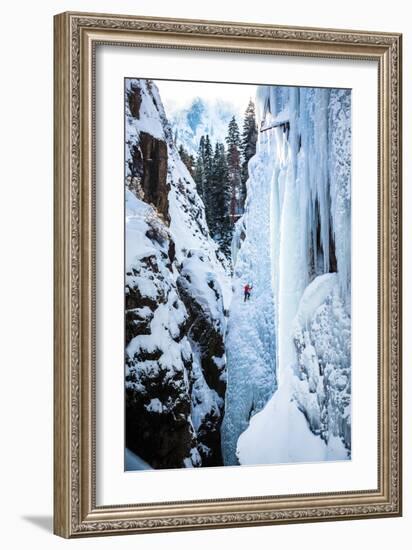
[{"x": 26, "y": 271}]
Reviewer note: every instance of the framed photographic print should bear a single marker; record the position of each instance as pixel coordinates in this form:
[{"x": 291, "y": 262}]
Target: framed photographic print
[{"x": 227, "y": 274}]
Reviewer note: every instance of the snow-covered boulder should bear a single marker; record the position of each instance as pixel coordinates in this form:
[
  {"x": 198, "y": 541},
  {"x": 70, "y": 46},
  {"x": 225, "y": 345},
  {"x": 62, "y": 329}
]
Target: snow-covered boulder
[{"x": 322, "y": 382}]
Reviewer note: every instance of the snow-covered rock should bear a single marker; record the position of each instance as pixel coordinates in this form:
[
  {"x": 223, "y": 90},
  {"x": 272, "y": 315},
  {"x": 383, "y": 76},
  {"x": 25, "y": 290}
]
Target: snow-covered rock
[
  {"x": 322, "y": 381},
  {"x": 175, "y": 290}
]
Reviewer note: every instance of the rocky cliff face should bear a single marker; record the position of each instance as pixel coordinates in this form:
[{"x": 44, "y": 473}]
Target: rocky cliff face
[{"x": 174, "y": 299}]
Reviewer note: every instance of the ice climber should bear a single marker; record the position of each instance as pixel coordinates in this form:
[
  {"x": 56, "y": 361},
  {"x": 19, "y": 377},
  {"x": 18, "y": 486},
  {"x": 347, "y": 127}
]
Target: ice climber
[{"x": 247, "y": 290}]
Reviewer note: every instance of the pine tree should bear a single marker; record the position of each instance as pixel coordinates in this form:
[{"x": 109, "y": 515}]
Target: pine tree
[
  {"x": 233, "y": 135},
  {"x": 207, "y": 177},
  {"x": 219, "y": 200},
  {"x": 217, "y": 174},
  {"x": 199, "y": 175},
  {"x": 234, "y": 170},
  {"x": 188, "y": 160},
  {"x": 208, "y": 158},
  {"x": 248, "y": 145}
]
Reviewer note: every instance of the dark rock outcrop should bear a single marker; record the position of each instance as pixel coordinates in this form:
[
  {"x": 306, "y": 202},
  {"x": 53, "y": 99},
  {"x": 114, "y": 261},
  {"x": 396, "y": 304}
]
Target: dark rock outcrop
[
  {"x": 134, "y": 98},
  {"x": 148, "y": 167},
  {"x": 157, "y": 412}
]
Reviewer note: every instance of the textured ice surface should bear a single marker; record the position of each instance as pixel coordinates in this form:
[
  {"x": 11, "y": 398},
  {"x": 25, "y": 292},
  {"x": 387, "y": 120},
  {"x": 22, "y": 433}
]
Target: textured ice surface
[{"x": 293, "y": 244}]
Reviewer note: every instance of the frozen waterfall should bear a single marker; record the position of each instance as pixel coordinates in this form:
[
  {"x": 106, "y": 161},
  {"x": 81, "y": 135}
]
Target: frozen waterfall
[{"x": 288, "y": 348}]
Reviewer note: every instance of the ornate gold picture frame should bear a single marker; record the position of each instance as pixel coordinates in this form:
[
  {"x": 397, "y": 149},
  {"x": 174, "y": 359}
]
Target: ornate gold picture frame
[{"x": 76, "y": 510}]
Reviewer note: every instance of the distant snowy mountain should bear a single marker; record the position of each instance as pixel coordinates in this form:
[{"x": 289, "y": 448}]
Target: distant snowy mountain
[
  {"x": 175, "y": 296},
  {"x": 201, "y": 118}
]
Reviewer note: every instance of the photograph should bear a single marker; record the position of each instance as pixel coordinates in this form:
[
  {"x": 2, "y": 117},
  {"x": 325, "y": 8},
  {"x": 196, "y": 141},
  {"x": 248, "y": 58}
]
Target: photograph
[
  {"x": 227, "y": 274},
  {"x": 237, "y": 274}
]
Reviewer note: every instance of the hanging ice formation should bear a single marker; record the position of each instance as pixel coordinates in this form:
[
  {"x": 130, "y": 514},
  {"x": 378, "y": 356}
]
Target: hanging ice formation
[{"x": 288, "y": 348}]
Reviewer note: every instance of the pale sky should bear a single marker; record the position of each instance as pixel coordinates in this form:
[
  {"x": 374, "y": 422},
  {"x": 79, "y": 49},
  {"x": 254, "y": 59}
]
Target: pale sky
[{"x": 177, "y": 94}]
